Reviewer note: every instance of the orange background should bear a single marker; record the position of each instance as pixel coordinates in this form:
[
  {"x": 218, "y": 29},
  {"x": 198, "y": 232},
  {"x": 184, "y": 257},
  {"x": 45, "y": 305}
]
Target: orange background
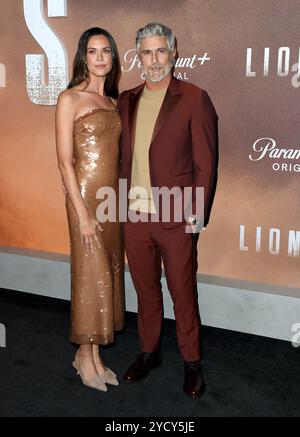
[{"x": 32, "y": 213}]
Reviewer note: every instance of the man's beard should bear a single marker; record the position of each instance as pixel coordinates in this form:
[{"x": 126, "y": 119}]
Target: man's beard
[{"x": 162, "y": 75}]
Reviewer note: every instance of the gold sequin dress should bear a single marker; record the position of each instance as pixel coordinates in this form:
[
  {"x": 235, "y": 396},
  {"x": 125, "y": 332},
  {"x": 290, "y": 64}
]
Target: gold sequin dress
[{"x": 97, "y": 298}]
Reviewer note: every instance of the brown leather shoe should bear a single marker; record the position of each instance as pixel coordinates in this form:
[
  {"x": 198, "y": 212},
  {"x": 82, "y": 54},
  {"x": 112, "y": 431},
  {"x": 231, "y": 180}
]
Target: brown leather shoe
[
  {"x": 193, "y": 380},
  {"x": 143, "y": 364}
]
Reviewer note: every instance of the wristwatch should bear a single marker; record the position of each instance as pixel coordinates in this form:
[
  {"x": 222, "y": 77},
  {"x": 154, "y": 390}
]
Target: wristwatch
[{"x": 193, "y": 221}]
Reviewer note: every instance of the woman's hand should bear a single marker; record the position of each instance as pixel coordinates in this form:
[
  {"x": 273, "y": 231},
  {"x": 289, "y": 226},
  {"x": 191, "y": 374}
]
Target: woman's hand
[{"x": 89, "y": 237}]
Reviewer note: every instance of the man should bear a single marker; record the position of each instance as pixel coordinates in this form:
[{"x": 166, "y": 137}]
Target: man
[{"x": 169, "y": 139}]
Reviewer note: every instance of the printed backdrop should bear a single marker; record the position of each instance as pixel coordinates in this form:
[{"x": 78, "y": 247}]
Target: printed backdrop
[{"x": 244, "y": 53}]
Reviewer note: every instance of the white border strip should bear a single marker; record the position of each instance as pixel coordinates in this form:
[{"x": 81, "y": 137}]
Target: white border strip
[{"x": 221, "y": 306}]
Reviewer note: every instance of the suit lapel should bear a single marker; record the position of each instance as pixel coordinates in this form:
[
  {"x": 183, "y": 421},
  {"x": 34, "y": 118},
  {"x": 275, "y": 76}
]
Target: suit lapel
[
  {"x": 172, "y": 97},
  {"x": 168, "y": 106},
  {"x": 133, "y": 106}
]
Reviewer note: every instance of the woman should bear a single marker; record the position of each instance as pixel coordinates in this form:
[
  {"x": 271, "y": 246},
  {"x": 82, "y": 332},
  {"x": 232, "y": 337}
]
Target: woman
[{"x": 87, "y": 136}]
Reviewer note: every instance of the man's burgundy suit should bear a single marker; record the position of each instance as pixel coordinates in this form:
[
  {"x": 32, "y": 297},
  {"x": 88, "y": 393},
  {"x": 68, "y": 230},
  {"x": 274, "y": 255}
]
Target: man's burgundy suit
[{"x": 183, "y": 153}]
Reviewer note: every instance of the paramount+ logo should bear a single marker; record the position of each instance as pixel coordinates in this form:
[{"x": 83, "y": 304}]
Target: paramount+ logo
[{"x": 283, "y": 159}]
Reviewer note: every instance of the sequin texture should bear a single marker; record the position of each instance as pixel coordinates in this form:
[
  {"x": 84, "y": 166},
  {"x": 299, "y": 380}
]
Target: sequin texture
[{"x": 97, "y": 279}]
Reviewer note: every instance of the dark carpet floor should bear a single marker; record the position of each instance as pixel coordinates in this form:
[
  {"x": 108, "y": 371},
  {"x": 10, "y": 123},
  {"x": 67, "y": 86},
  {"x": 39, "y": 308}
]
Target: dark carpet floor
[{"x": 245, "y": 375}]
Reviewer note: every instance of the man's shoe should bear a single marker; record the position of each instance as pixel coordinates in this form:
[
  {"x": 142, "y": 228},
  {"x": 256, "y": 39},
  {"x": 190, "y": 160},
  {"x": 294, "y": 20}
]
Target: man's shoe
[
  {"x": 193, "y": 380},
  {"x": 143, "y": 364}
]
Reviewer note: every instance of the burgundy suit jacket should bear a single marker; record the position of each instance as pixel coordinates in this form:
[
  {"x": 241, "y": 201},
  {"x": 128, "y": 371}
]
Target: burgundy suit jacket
[{"x": 184, "y": 146}]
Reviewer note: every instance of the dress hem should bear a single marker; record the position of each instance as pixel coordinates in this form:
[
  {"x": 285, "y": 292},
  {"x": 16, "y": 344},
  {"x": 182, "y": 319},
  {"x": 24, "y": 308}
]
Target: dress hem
[{"x": 94, "y": 339}]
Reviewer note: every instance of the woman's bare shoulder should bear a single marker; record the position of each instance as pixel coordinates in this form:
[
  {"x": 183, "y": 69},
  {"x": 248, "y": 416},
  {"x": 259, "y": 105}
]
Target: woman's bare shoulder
[{"x": 67, "y": 96}]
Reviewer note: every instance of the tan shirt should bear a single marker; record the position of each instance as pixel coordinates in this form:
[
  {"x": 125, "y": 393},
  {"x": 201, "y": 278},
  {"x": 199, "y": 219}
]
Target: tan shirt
[{"x": 148, "y": 109}]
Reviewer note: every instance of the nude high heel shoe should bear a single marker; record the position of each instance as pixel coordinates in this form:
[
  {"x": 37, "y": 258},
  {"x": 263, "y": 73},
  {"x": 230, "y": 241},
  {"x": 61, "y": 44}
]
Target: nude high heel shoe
[
  {"x": 96, "y": 382},
  {"x": 109, "y": 377}
]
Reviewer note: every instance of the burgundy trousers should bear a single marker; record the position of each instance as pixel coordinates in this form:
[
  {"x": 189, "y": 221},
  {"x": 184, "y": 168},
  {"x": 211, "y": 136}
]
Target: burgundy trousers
[{"x": 147, "y": 244}]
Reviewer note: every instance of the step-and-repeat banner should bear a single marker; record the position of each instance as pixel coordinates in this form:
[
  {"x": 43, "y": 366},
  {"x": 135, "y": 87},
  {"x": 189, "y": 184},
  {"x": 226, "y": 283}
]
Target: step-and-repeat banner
[{"x": 245, "y": 54}]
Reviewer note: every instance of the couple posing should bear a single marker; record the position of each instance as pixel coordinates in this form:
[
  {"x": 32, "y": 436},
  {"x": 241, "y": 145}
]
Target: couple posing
[{"x": 164, "y": 133}]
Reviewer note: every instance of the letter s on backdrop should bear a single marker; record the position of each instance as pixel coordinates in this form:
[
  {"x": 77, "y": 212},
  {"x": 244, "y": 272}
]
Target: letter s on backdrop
[{"x": 38, "y": 92}]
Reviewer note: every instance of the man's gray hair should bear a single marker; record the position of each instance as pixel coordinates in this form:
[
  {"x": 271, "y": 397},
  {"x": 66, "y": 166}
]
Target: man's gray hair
[{"x": 155, "y": 29}]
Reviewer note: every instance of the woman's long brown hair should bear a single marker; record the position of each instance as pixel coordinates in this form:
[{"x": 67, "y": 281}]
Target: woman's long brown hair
[{"x": 79, "y": 66}]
